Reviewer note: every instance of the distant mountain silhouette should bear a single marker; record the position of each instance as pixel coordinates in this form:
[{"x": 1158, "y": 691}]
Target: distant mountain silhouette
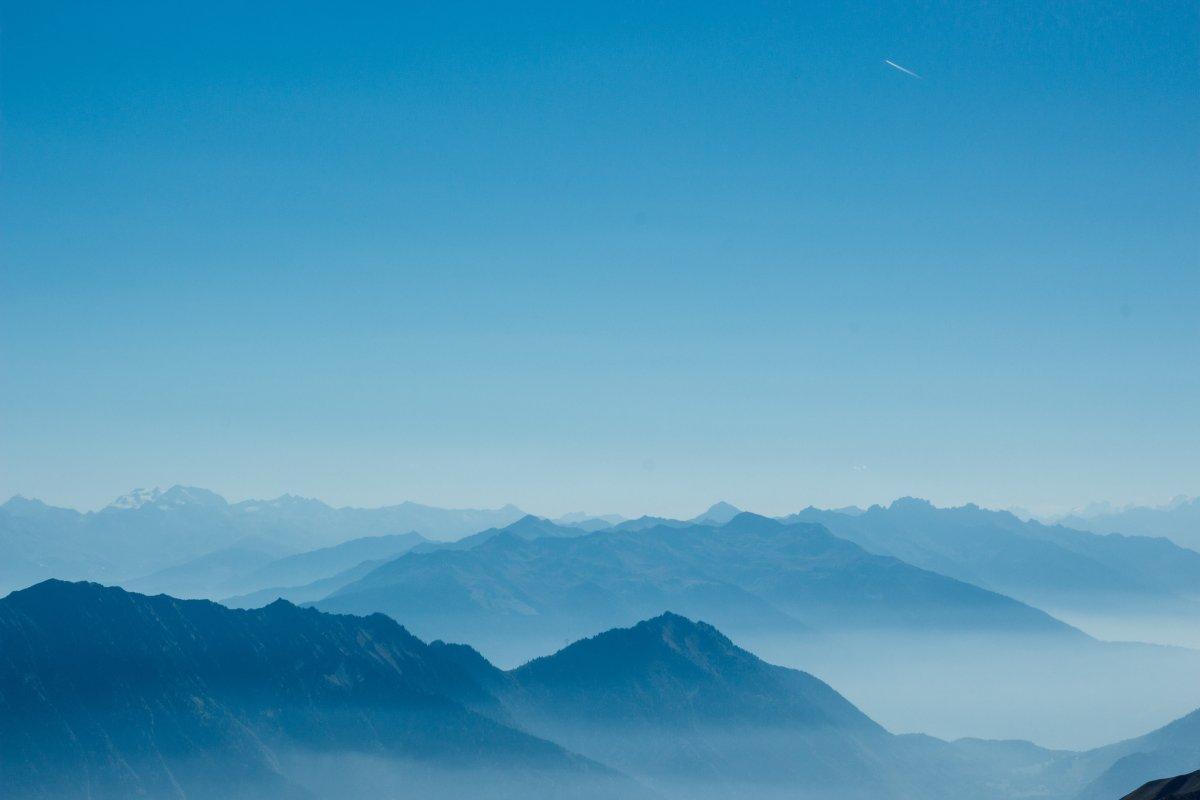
[
  {"x": 207, "y": 576},
  {"x": 152, "y": 530},
  {"x": 1179, "y": 521},
  {"x": 751, "y": 574},
  {"x": 589, "y": 522},
  {"x": 303, "y": 568},
  {"x": 527, "y": 527},
  {"x": 1052, "y": 567},
  {"x": 717, "y": 514},
  {"x": 252, "y": 566},
  {"x": 304, "y": 593},
  {"x": 298, "y": 578},
  {"x": 644, "y": 522},
  {"x": 108, "y": 694},
  {"x": 1181, "y": 787}
]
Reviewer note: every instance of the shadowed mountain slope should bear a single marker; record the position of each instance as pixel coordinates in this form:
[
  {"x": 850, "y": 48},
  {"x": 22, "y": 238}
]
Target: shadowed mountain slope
[
  {"x": 1181, "y": 787},
  {"x": 676, "y": 703},
  {"x": 107, "y": 694}
]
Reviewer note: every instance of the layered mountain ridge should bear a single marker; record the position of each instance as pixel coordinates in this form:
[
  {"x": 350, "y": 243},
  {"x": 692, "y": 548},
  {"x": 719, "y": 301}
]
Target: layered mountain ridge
[
  {"x": 751, "y": 573},
  {"x": 108, "y": 694}
]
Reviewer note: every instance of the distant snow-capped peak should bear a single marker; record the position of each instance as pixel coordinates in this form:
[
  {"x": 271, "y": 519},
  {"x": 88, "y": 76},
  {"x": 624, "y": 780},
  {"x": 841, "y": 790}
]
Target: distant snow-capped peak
[
  {"x": 175, "y": 497},
  {"x": 137, "y": 498}
]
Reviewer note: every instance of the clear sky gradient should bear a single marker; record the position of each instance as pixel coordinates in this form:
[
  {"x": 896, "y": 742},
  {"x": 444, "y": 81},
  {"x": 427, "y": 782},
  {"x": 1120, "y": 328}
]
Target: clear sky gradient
[{"x": 615, "y": 257}]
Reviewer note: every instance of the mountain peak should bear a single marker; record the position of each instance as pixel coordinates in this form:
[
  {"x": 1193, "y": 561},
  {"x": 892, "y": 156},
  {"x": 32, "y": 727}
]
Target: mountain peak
[
  {"x": 528, "y": 519},
  {"x": 279, "y": 605},
  {"x": 56, "y": 592},
  {"x": 669, "y": 619},
  {"x": 291, "y": 501},
  {"x": 18, "y": 504},
  {"x": 175, "y": 497},
  {"x": 747, "y": 520},
  {"x": 608, "y": 656},
  {"x": 532, "y": 527},
  {"x": 179, "y": 495},
  {"x": 670, "y": 622},
  {"x": 911, "y": 504},
  {"x": 136, "y": 498},
  {"x": 718, "y": 513}
]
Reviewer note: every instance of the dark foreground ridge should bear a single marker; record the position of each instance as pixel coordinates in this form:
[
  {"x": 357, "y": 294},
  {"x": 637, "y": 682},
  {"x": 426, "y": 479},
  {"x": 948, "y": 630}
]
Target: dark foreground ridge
[
  {"x": 1181, "y": 787},
  {"x": 110, "y": 694}
]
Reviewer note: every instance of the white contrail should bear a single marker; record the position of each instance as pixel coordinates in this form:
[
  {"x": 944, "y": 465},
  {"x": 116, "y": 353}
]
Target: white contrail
[{"x": 902, "y": 69}]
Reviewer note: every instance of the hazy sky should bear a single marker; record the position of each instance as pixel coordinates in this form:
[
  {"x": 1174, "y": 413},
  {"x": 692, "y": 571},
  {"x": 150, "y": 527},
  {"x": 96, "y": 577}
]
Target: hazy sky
[{"x": 607, "y": 257}]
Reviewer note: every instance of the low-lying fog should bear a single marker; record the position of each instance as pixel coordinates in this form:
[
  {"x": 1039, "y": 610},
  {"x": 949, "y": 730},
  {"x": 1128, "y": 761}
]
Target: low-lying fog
[
  {"x": 1056, "y": 695},
  {"x": 1152, "y": 628},
  {"x": 1071, "y": 695}
]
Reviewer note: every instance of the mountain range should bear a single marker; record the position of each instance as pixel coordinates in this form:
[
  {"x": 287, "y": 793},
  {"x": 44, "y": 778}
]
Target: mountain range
[
  {"x": 956, "y": 597},
  {"x": 110, "y": 694},
  {"x": 1178, "y": 520},
  {"x": 802, "y": 597},
  {"x": 152, "y": 530},
  {"x": 1064, "y": 571},
  {"x": 244, "y": 569},
  {"x": 514, "y": 593}
]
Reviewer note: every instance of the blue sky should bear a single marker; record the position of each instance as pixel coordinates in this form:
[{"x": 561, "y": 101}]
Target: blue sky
[{"x": 602, "y": 256}]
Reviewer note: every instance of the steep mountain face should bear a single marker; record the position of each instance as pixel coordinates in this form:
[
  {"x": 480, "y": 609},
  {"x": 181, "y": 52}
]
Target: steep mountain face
[
  {"x": 152, "y": 530},
  {"x": 676, "y": 704},
  {"x": 1049, "y": 566},
  {"x": 107, "y": 694},
  {"x": 750, "y": 574},
  {"x": 1181, "y": 787}
]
